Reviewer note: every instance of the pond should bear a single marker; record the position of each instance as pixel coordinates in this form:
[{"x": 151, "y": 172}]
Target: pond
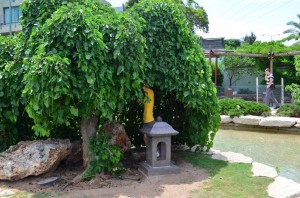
[{"x": 273, "y": 149}]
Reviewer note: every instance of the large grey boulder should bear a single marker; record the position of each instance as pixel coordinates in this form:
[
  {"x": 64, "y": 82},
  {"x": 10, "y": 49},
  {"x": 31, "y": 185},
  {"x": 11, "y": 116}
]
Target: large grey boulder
[{"x": 32, "y": 158}]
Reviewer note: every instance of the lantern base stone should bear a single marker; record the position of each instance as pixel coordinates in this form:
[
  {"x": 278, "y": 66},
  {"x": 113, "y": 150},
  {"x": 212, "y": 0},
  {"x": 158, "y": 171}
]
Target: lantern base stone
[{"x": 161, "y": 170}]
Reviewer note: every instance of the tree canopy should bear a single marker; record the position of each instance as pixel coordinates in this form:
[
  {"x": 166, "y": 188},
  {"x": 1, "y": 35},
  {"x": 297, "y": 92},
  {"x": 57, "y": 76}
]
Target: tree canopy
[
  {"x": 196, "y": 15},
  {"x": 82, "y": 62}
]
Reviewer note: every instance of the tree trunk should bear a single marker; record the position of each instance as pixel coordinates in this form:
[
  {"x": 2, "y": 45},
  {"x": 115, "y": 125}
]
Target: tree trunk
[{"x": 88, "y": 128}]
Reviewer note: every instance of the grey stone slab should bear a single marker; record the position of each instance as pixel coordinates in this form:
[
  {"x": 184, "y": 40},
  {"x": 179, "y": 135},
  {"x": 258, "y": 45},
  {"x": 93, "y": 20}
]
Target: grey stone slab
[
  {"x": 162, "y": 170},
  {"x": 262, "y": 170},
  {"x": 278, "y": 121},
  {"x": 248, "y": 120},
  {"x": 283, "y": 187},
  {"x": 226, "y": 119},
  {"x": 232, "y": 157}
]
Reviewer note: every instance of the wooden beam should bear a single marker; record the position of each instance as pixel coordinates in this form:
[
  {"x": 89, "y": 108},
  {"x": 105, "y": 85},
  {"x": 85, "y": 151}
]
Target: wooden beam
[
  {"x": 241, "y": 55},
  {"x": 291, "y": 53},
  {"x": 218, "y": 53}
]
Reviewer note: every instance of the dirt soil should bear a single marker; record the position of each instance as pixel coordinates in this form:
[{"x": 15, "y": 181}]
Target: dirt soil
[{"x": 132, "y": 183}]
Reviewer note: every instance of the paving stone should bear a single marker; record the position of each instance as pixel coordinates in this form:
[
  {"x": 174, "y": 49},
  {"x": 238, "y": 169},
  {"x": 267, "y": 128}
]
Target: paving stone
[
  {"x": 283, "y": 187},
  {"x": 247, "y": 120},
  {"x": 232, "y": 157},
  {"x": 226, "y": 119},
  {"x": 278, "y": 121},
  {"x": 262, "y": 170}
]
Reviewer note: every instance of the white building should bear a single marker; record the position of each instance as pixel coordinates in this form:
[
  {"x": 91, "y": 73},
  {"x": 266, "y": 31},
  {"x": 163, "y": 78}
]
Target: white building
[{"x": 10, "y": 23}]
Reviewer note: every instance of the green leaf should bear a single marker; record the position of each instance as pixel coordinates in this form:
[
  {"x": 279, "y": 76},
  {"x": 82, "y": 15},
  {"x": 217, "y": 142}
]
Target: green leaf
[
  {"x": 90, "y": 79},
  {"x": 186, "y": 93},
  {"x": 88, "y": 56},
  {"x": 120, "y": 70},
  {"x": 74, "y": 111}
]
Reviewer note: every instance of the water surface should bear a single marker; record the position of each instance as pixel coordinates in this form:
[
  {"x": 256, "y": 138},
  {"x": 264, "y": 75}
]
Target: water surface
[{"x": 273, "y": 149}]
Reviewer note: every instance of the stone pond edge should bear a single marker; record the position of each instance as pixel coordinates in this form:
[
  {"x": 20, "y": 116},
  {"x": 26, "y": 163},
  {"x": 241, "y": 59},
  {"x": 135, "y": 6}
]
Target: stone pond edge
[
  {"x": 286, "y": 123},
  {"x": 279, "y": 188}
]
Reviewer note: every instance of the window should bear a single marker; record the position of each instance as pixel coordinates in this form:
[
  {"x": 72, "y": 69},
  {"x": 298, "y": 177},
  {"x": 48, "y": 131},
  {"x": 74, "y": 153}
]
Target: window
[{"x": 16, "y": 13}]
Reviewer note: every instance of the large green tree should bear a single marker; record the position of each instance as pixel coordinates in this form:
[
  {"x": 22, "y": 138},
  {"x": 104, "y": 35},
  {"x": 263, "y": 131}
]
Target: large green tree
[
  {"x": 82, "y": 60},
  {"x": 82, "y": 64}
]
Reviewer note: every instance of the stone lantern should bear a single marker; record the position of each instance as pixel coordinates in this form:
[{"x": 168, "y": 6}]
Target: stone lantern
[{"x": 158, "y": 149}]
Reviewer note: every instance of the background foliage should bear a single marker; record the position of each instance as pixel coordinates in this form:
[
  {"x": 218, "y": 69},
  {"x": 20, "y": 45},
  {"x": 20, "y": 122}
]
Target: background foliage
[{"x": 14, "y": 122}]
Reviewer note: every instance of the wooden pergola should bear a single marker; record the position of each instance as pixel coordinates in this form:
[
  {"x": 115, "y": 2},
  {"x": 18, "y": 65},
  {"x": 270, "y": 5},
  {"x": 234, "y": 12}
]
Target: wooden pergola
[{"x": 216, "y": 53}]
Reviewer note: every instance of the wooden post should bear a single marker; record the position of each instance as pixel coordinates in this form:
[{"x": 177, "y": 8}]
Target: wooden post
[
  {"x": 282, "y": 91},
  {"x": 271, "y": 60},
  {"x": 209, "y": 57},
  {"x": 256, "y": 89}
]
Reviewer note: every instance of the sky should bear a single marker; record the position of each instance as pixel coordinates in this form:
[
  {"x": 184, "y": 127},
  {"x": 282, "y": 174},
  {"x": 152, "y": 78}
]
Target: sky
[{"x": 233, "y": 19}]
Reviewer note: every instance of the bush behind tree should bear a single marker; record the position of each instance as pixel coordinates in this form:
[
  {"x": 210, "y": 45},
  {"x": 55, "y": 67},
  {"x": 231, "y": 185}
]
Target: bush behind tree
[
  {"x": 238, "y": 107},
  {"x": 177, "y": 70}
]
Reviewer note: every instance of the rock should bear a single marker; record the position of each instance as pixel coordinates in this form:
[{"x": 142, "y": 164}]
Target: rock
[
  {"x": 226, "y": 119},
  {"x": 75, "y": 155},
  {"x": 283, "y": 187},
  {"x": 278, "y": 122},
  {"x": 119, "y": 136},
  {"x": 195, "y": 148},
  {"x": 262, "y": 170},
  {"x": 298, "y": 123},
  {"x": 247, "y": 120},
  {"x": 212, "y": 151},
  {"x": 6, "y": 193},
  {"x": 32, "y": 158},
  {"x": 182, "y": 147},
  {"x": 232, "y": 157}
]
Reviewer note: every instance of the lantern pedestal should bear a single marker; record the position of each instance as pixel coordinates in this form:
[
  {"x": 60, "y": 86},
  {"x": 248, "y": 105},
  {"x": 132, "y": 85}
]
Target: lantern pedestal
[{"x": 158, "y": 150}]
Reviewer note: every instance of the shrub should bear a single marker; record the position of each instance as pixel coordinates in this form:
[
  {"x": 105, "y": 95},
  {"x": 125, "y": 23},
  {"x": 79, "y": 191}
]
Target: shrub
[
  {"x": 294, "y": 89},
  {"x": 106, "y": 157},
  {"x": 238, "y": 107},
  {"x": 288, "y": 110}
]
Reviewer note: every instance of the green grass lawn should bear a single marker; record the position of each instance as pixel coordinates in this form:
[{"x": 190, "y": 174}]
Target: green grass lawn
[{"x": 227, "y": 179}]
